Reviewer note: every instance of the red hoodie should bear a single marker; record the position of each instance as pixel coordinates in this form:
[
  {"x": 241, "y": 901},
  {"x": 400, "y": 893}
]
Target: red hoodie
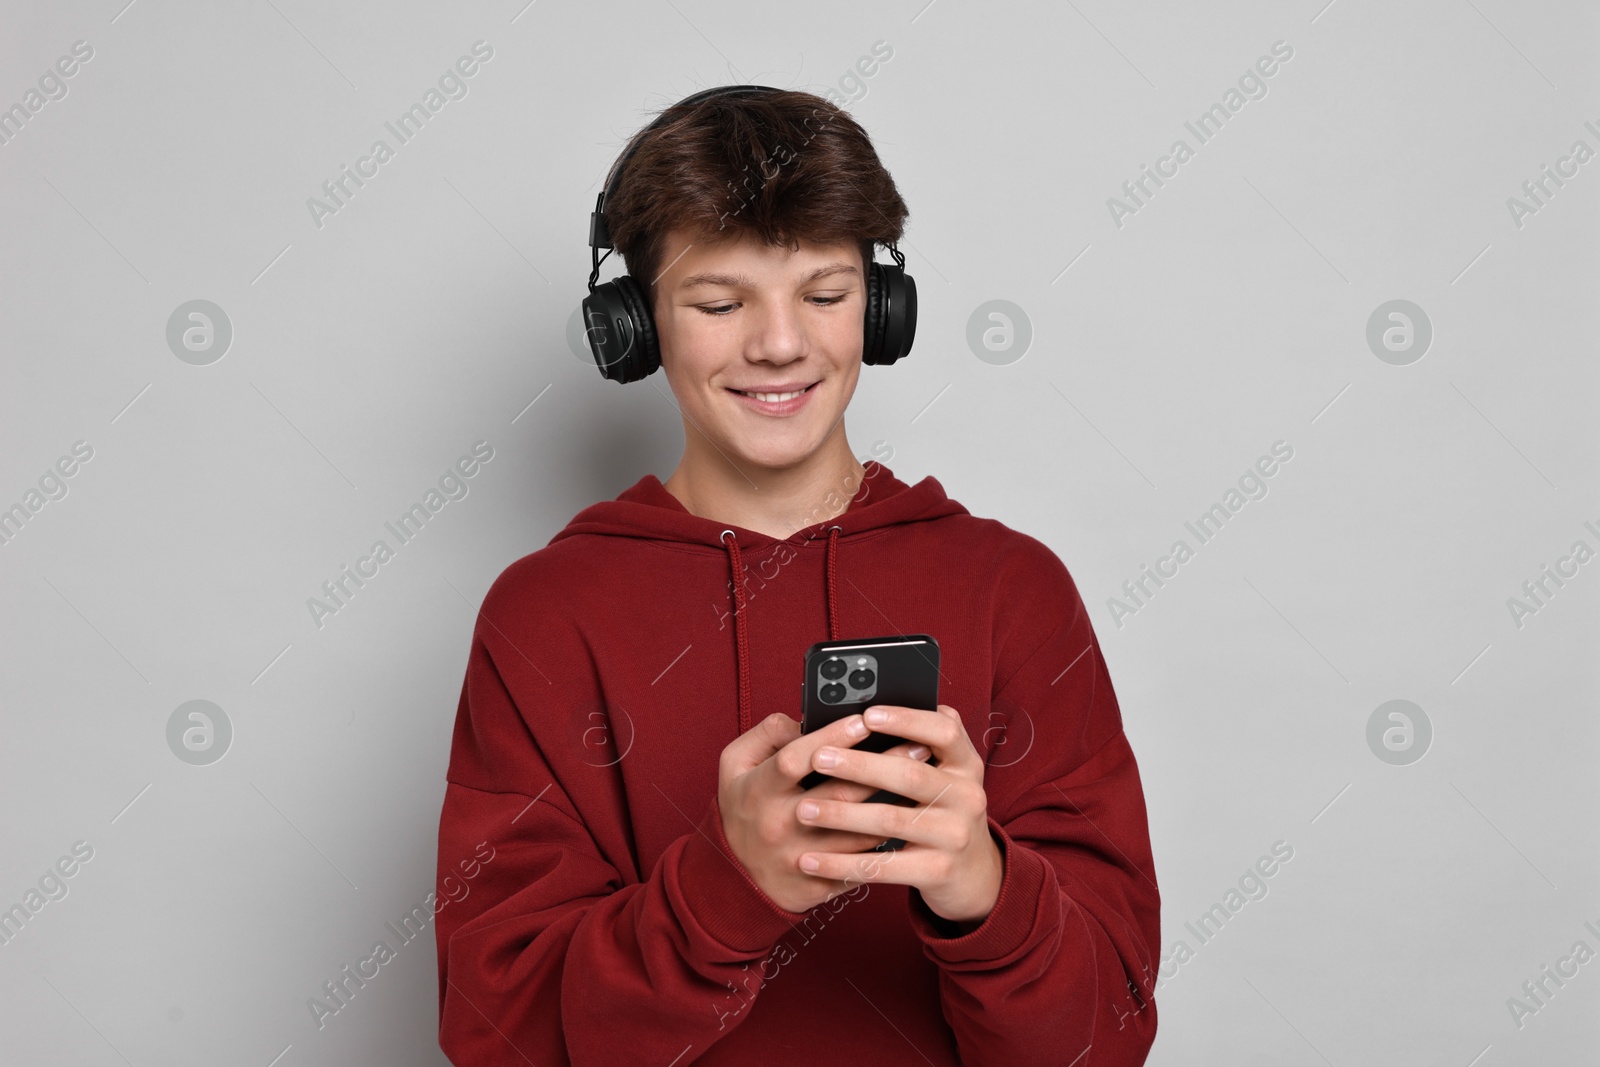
[{"x": 613, "y": 924}]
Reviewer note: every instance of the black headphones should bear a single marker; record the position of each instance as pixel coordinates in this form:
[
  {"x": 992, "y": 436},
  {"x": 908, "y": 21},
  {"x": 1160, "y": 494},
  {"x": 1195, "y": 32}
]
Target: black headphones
[{"x": 617, "y": 317}]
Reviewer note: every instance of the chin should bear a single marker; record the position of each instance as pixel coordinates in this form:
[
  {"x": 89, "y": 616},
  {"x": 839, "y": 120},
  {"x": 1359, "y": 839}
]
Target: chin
[
  {"x": 775, "y": 457},
  {"x": 776, "y": 452}
]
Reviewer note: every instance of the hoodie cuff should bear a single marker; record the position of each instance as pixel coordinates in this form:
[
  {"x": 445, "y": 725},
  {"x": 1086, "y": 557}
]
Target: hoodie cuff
[
  {"x": 722, "y": 896},
  {"x": 1007, "y": 926}
]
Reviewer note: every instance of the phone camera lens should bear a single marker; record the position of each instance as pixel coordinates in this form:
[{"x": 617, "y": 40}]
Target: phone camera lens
[
  {"x": 833, "y": 669},
  {"x": 862, "y": 679},
  {"x": 832, "y": 693}
]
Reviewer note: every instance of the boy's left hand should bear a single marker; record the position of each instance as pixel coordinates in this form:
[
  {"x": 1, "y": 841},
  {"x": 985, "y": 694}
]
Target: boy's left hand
[{"x": 949, "y": 855}]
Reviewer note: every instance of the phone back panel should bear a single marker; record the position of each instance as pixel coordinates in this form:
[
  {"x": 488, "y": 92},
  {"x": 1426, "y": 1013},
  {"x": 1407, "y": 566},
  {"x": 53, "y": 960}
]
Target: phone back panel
[
  {"x": 907, "y": 675},
  {"x": 906, "y": 669}
]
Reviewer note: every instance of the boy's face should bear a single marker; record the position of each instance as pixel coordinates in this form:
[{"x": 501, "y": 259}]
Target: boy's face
[{"x": 742, "y": 316}]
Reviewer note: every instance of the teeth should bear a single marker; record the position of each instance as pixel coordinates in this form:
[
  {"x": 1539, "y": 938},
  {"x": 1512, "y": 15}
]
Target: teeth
[{"x": 774, "y": 397}]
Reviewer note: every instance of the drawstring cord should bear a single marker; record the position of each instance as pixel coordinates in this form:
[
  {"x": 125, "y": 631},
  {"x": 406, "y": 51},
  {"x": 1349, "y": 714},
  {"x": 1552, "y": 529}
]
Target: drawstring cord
[
  {"x": 741, "y": 640},
  {"x": 741, "y": 634},
  {"x": 833, "y": 581}
]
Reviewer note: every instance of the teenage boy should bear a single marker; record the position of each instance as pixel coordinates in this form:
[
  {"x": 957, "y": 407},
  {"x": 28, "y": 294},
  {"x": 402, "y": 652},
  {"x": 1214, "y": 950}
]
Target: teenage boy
[{"x": 661, "y": 890}]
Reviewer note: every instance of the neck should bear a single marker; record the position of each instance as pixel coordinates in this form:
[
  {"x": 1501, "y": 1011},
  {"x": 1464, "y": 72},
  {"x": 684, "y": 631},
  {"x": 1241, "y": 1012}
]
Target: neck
[{"x": 772, "y": 501}]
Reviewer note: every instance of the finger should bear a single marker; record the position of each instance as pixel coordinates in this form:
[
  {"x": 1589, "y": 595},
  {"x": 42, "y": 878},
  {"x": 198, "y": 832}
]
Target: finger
[
  {"x": 911, "y": 865},
  {"x": 923, "y": 826},
  {"x": 910, "y": 778},
  {"x": 840, "y": 789},
  {"x": 822, "y": 839},
  {"x": 794, "y": 761},
  {"x": 942, "y": 730}
]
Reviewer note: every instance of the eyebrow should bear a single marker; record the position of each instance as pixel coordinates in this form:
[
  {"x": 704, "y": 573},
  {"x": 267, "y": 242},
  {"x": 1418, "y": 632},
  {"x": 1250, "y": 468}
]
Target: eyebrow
[{"x": 744, "y": 281}]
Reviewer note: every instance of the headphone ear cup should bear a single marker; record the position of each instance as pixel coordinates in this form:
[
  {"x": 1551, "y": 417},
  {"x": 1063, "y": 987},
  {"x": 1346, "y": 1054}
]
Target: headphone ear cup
[
  {"x": 902, "y": 317},
  {"x": 892, "y": 314},
  {"x": 620, "y": 331},
  {"x": 872, "y": 321},
  {"x": 644, "y": 358},
  {"x": 609, "y": 329}
]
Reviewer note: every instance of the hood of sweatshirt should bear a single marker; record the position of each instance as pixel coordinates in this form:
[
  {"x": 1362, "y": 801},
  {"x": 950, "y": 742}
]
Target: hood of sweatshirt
[{"x": 646, "y": 510}]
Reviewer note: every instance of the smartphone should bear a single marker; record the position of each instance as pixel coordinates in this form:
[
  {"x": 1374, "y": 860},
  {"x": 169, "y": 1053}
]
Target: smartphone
[{"x": 844, "y": 678}]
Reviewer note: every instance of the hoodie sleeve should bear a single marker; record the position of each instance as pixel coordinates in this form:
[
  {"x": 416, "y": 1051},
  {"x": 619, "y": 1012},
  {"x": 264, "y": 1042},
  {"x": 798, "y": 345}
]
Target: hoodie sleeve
[
  {"x": 555, "y": 954},
  {"x": 1065, "y": 962}
]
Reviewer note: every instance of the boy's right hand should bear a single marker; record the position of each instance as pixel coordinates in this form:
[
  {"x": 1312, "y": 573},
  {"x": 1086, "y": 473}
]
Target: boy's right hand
[{"x": 758, "y": 789}]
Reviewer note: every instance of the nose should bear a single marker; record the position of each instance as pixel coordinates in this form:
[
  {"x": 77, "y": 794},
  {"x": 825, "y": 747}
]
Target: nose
[{"x": 780, "y": 334}]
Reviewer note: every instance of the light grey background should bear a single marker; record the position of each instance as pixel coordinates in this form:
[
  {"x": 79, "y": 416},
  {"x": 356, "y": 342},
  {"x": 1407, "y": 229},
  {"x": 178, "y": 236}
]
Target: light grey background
[{"x": 1168, "y": 353}]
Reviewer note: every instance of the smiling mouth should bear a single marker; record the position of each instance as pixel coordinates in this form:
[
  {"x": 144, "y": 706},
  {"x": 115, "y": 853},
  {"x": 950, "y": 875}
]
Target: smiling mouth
[{"x": 772, "y": 398}]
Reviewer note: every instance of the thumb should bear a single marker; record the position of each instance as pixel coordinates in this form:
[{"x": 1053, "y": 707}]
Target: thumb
[{"x": 762, "y": 740}]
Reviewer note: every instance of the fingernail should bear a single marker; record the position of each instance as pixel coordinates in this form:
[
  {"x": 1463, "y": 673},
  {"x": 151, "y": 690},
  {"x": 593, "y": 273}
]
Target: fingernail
[
  {"x": 876, "y": 716},
  {"x": 856, "y": 728},
  {"x": 917, "y": 752},
  {"x": 809, "y": 809},
  {"x": 809, "y": 863},
  {"x": 827, "y": 757}
]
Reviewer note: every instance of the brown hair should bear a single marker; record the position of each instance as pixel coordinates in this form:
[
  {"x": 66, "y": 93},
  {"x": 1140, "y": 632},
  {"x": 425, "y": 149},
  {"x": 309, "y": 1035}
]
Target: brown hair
[{"x": 780, "y": 165}]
